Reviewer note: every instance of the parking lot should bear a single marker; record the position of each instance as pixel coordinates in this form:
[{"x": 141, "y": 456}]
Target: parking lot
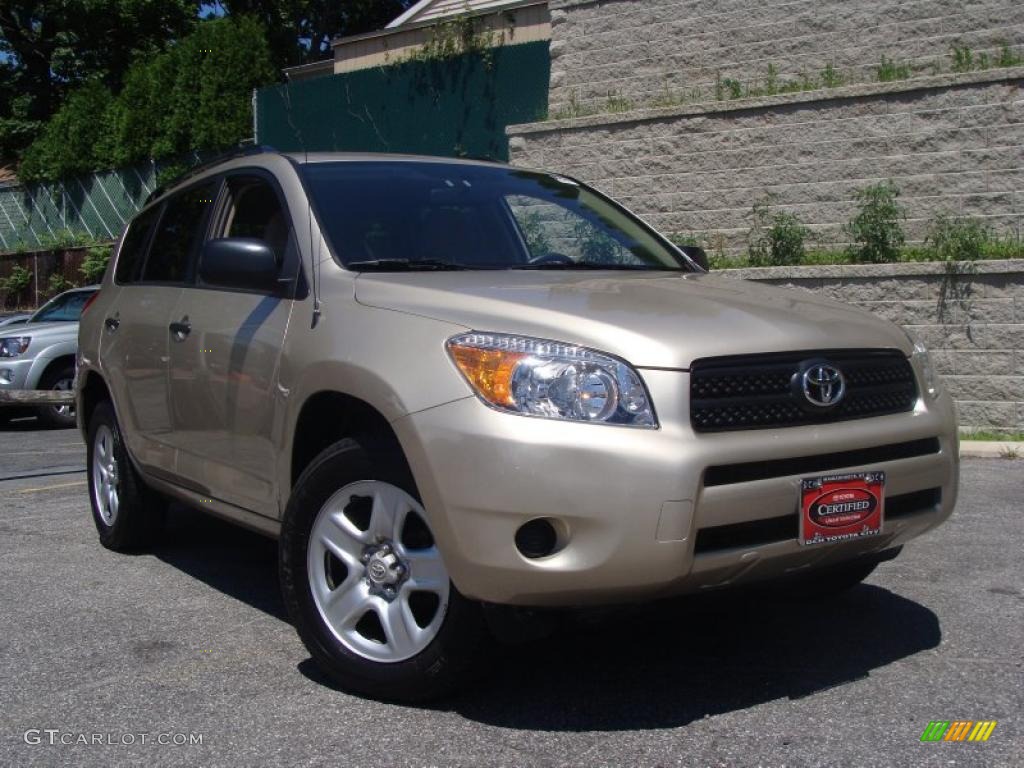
[{"x": 192, "y": 639}]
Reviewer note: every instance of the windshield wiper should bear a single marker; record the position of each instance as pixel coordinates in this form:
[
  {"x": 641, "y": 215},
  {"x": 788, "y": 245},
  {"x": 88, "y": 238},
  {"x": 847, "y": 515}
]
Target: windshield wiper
[
  {"x": 403, "y": 265},
  {"x": 594, "y": 266}
]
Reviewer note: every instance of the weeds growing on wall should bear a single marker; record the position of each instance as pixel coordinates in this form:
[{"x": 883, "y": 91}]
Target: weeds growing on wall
[
  {"x": 889, "y": 70},
  {"x": 780, "y": 238},
  {"x": 876, "y": 230},
  {"x": 964, "y": 59},
  {"x": 459, "y": 36},
  {"x": 727, "y": 88},
  {"x": 776, "y": 238}
]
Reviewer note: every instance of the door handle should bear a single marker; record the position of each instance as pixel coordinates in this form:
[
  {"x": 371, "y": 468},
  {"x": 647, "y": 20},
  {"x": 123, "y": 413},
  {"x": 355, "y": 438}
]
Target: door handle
[
  {"x": 112, "y": 323},
  {"x": 181, "y": 329}
]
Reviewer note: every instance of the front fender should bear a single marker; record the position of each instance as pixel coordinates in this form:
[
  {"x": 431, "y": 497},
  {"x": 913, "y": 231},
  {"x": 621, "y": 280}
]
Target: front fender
[{"x": 46, "y": 356}]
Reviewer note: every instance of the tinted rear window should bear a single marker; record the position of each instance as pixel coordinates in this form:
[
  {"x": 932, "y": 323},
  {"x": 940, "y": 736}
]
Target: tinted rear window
[
  {"x": 133, "y": 248},
  {"x": 172, "y": 253}
]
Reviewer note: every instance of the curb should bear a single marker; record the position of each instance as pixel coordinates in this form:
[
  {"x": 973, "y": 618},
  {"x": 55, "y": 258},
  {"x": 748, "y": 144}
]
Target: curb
[{"x": 991, "y": 449}]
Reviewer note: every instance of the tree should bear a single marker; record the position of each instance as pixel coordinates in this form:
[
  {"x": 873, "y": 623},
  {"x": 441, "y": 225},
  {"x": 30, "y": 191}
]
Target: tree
[
  {"x": 75, "y": 140},
  {"x": 53, "y": 46},
  {"x": 194, "y": 96},
  {"x": 301, "y": 30}
]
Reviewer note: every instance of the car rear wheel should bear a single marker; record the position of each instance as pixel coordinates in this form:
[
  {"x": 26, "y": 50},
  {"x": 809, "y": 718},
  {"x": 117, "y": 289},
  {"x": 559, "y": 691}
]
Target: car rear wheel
[
  {"x": 365, "y": 583},
  {"x": 127, "y": 514},
  {"x": 58, "y": 416}
]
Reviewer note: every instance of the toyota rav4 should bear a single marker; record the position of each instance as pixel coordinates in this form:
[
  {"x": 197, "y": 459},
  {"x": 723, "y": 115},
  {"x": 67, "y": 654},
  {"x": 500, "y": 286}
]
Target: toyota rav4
[{"x": 445, "y": 384}]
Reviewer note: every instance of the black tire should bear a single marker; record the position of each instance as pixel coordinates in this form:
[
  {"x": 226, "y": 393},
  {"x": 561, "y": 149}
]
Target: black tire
[
  {"x": 54, "y": 416},
  {"x": 456, "y": 649},
  {"x": 140, "y": 511}
]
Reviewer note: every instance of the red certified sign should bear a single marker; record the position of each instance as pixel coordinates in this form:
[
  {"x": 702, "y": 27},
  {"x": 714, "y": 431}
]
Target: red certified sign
[{"x": 841, "y": 507}]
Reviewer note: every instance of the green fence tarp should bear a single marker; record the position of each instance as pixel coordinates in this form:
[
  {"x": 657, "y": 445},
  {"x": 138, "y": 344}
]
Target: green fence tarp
[
  {"x": 96, "y": 206},
  {"x": 455, "y": 107}
]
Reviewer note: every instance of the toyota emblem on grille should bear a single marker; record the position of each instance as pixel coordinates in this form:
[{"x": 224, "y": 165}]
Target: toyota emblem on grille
[{"x": 823, "y": 385}]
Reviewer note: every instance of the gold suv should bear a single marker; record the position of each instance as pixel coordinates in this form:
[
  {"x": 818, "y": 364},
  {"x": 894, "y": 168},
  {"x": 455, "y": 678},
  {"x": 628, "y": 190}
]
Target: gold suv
[{"x": 449, "y": 385}]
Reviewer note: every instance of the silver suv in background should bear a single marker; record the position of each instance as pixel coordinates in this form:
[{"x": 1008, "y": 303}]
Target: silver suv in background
[
  {"x": 444, "y": 385},
  {"x": 39, "y": 353}
]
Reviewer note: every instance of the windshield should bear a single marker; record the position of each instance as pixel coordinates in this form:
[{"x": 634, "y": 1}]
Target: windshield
[
  {"x": 423, "y": 215},
  {"x": 64, "y": 308}
]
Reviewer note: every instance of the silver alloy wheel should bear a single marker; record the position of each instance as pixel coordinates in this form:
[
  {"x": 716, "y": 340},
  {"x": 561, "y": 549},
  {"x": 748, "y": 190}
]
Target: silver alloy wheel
[
  {"x": 64, "y": 385},
  {"x": 388, "y": 599},
  {"x": 105, "y": 483}
]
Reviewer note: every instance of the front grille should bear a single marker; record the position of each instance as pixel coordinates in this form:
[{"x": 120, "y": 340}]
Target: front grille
[
  {"x": 759, "y": 391},
  {"x": 786, "y": 528},
  {"x": 726, "y": 474}
]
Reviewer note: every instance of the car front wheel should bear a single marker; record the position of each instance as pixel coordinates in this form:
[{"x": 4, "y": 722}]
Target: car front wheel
[
  {"x": 365, "y": 583},
  {"x": 58, "y": 416}
]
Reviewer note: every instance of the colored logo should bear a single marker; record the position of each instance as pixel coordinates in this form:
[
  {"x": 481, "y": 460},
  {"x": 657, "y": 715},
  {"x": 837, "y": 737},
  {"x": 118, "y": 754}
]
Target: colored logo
[{"x": 958, "y": 730}]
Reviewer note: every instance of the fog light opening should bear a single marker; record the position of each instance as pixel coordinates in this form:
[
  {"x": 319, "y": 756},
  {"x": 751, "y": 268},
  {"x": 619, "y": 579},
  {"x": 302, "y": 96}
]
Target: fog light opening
[{"x": 537, "y": 538}]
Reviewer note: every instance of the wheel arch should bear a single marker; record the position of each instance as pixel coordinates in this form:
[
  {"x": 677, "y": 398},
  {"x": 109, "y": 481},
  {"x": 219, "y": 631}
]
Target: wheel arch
[
  {"x": 48, "y": 365},
  {"x": 326, "y": 417},
  {"x": 92, "y": 391}
]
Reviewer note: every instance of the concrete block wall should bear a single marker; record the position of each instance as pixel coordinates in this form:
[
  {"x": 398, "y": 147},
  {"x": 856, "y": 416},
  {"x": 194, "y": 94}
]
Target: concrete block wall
[
  {"x": 952, "y": 143},
  {"x": 970, "y": 315},
  {"x": 645, "y": 50}
]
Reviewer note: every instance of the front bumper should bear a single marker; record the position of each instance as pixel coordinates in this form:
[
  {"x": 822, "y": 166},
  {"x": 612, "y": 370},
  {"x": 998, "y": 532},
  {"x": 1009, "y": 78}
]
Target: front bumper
[
  {"x": 15, "y": 372},
  {"x": 633, "y": 504}
]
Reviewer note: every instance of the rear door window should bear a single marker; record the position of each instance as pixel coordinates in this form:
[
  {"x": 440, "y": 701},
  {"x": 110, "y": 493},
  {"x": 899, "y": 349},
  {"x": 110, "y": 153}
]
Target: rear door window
[
  {"x": 178, "y": 235},
  {"x": 133, "y": 247}
]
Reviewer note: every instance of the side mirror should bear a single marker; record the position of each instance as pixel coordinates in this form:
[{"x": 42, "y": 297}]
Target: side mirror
[
  {"x": 697, "y": 255},
  {"x": 239, "y": 262}
]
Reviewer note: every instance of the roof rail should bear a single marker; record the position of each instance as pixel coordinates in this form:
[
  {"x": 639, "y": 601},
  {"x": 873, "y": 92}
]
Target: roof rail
[{"x": 241, "y": 151}]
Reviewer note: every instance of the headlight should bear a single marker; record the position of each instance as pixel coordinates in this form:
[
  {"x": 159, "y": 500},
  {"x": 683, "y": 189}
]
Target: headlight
[
  {"x": 13, "y": 346},
  {"x": 930, "y": 379},
  {"x": 534, "y": 377}
]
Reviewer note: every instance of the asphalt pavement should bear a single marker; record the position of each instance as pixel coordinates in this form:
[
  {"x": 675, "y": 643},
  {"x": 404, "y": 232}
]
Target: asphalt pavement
[{"x": 112, "y": 660}]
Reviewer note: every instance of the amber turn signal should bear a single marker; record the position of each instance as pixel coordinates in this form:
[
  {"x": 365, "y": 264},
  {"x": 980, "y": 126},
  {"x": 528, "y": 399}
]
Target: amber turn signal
[{"x": 489, "y": 371}]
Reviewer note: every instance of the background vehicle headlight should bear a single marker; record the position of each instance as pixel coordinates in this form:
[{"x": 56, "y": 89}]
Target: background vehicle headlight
[
  {"x": 930, "y": 379},
  {"x": 13, "y": 346},
  {"x": 552, "y": 380}
]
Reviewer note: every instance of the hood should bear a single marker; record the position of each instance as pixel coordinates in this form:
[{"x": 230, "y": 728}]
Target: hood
[
  {"x": 651, "y": 319},
  {"x": 48, "y": 331}
]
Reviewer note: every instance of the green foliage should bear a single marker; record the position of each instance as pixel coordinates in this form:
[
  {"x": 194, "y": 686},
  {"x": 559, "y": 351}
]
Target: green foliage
[
  {"x": 75, "y": 140},
  {"x": 58, "y": 284},
  {"x": 776, "y": 238},
  {"x": 728, "y": 88},
  {"x": 52, "y": 47},
  {"x": 196, "y": 96},
  {"x": 535, "y": 233},
  {"x": 831, "y": 77},
  {"x": 456, "y": 37},
  {"x": 949, "y": 240},
  {"x": 963, "y": 58},
  {"x": 957, "y": 239},
  {"x": 95, "y": 263},
  {"x": 889, "y": 70},
  {"x": 18, "y": 280},
  {"x": 300, "y": 31},
  {"x": 617, "y": 103},
  {"x": 595, "y": 244},
  {"x": 876, "y": 232},
  {"x": 1007, "y": 58}
]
